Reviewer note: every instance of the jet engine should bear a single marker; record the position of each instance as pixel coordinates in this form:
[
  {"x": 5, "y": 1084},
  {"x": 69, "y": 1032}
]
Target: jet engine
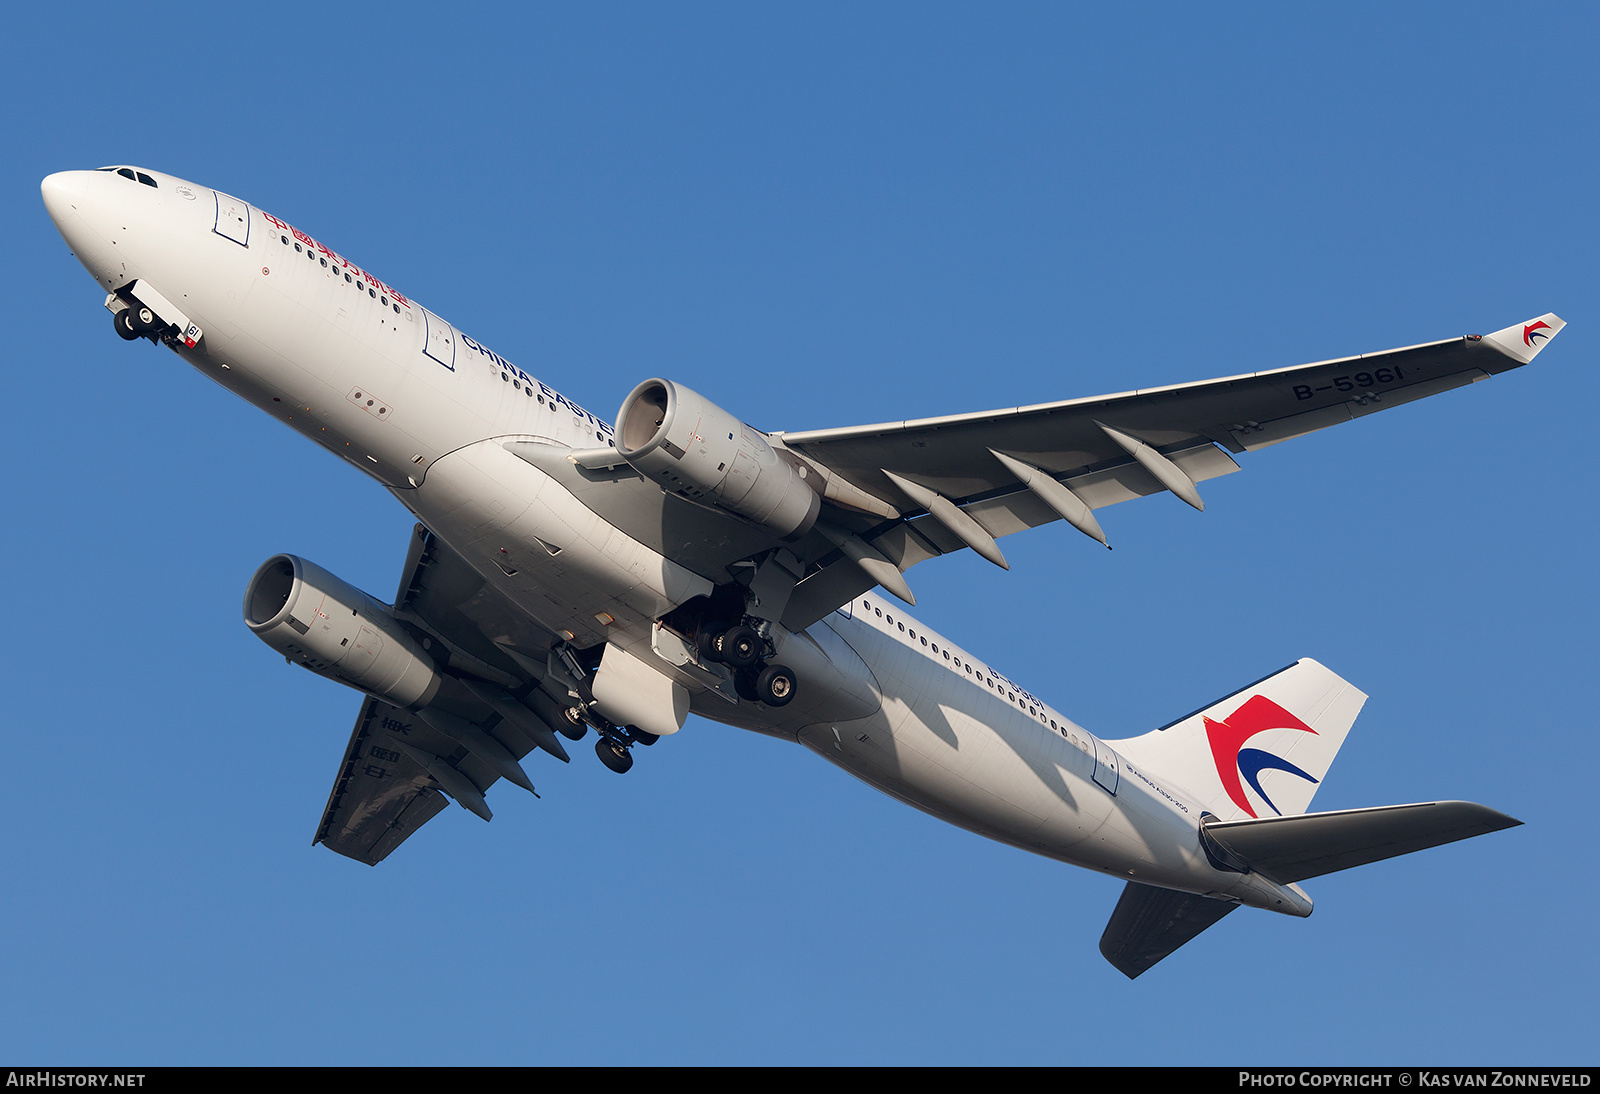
[
  {"x": 337, "y": 631},
  {"x": 693, "y": 448}
]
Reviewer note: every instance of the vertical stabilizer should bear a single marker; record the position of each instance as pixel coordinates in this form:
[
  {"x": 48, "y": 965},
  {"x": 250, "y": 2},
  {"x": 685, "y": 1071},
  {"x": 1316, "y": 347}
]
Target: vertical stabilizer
[{"x": 1260, "y": 752}]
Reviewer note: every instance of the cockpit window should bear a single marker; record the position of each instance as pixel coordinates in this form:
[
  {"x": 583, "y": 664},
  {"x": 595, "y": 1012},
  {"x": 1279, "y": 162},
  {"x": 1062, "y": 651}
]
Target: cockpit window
[{"x": 131, "y": 175}]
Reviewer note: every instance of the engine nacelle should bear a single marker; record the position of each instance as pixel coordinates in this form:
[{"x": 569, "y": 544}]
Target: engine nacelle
[
  {"x": 693, "y": 448},
  {"x": 337, "y": 631}
]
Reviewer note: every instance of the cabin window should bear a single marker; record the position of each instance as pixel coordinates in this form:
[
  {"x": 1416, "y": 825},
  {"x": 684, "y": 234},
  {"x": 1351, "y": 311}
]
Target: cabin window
[
  {"x": 297, "y": 248},
  {"x": 285, "y": 240},
  {"x": 324, "y": 261}
]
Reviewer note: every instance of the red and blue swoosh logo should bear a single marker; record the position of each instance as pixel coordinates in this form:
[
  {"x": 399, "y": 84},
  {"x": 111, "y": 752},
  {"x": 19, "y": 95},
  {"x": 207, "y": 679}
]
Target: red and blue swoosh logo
[{"x": 1227, "y": 738}]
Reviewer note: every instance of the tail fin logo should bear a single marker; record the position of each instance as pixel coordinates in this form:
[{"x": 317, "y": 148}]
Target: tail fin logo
[
  {"x": 1256, "y": 715},
  {"x": 1528, "y": 334}
]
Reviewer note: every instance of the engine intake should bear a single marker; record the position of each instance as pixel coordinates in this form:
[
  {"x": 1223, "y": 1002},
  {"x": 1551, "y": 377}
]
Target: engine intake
[
  {"x": 337, "y": 631},
  {"x": 693, "y": 448}
]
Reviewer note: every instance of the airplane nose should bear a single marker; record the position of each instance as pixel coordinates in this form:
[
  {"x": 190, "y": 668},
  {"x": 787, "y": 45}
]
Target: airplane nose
[{"x": 63, "y": 194}]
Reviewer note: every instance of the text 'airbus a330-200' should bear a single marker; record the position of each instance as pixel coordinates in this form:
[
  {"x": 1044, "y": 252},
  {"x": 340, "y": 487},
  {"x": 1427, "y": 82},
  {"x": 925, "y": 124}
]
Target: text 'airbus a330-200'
[{"x": 567, "y": 576}]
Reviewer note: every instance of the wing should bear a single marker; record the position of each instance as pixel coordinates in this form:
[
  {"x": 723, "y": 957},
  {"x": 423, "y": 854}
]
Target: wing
[
  {"x": 917, "y": 489},
  {"x": 401, "y": 768},
  {"x": 381, "y": 795}
]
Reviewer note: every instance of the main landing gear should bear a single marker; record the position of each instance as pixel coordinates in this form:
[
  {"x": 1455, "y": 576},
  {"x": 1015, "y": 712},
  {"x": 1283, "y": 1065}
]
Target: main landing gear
[
  {"x": 614, "y": 743},
  {"x": 614, "y": 754},
  {"x": 572, "y": 725},
  {"x": 741, "y": 648}
]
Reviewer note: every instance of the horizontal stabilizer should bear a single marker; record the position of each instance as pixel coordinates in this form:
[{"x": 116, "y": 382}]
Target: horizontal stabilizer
[
  {"x": 1290, "y": 849},
  {"x": 1150, "y": 923}
]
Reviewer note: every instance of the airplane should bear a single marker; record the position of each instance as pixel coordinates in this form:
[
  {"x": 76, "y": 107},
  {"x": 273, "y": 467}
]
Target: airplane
[{"x": 567, "y": 576}]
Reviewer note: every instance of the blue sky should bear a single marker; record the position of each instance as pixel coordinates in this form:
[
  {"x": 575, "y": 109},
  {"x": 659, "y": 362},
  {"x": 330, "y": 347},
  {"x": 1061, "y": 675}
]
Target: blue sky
[{"x": 818, "y": 215}]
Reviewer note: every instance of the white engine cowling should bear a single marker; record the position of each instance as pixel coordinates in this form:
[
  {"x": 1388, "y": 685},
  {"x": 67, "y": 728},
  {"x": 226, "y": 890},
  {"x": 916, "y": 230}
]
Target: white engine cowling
[
  {"x": 337, "y": 631},
  {"x": 693, "y": 448}
]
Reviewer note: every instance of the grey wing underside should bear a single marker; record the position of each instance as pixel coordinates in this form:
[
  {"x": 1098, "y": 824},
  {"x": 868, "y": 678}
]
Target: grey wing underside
[
  {"x": 1195, "y": 427},
  {"x": 383, "y": 793}
]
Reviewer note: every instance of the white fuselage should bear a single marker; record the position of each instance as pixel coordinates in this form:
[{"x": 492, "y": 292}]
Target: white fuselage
[{"x": 378, "y": 380}]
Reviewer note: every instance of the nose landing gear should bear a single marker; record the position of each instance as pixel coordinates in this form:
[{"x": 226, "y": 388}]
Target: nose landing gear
[{"x": 136, "y": 321}]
